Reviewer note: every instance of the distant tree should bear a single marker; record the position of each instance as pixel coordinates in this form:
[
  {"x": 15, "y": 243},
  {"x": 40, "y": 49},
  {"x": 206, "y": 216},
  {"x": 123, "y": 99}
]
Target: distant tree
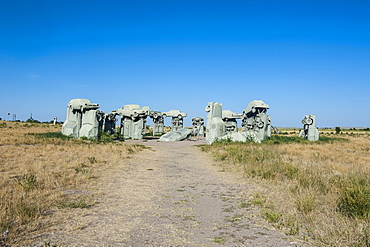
[
  {"x": 32, "y": 121},
  {"x": 337, "y": 130}
]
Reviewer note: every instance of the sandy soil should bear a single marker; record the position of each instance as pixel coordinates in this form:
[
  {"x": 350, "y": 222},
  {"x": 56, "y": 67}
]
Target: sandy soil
[{"x": 172, "y": 195}]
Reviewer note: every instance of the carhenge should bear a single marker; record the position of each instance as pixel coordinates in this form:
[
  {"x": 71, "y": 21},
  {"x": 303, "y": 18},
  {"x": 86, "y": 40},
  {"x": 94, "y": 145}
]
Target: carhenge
[{"x": 83, "y": 119}]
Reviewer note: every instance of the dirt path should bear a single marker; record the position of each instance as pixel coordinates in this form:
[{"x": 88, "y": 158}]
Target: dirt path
[{"x": 173, "y": 196}]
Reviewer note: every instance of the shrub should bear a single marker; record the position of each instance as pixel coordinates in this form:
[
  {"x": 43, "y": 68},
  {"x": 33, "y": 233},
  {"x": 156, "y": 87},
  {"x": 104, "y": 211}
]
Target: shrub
[
  {"x": 354, "y": 198},
  {"x": 105, "y": 137},
  {"x": 30, "y": 120}
]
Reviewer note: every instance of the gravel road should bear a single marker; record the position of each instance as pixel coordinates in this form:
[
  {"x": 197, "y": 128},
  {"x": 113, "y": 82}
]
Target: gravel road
[{"x": 173, "y": 195}]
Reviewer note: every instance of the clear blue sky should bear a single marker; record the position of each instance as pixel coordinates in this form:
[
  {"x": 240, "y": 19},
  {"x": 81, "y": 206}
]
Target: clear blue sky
[{"x": 299, "y": 57}]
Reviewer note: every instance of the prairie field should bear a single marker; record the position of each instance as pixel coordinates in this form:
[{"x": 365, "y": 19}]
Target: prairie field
[
  {"x": 39, "y": 167},
  {"x": 317, "y": 191}
]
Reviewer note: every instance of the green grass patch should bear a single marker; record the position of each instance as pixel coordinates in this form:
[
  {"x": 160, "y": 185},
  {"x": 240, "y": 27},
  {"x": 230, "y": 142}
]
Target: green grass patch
[
  {"x": 282, "y": 139},
  {"x": 218, "y": 240},
  {"x": 27, "y": 182},
  {"x": 306, "y": 204},
  {"x": 58, "y": 135},
  {"x": 354, "y": 197},
  {"x": 271, "y": 216},
  {"x": 80, "y": 202}
]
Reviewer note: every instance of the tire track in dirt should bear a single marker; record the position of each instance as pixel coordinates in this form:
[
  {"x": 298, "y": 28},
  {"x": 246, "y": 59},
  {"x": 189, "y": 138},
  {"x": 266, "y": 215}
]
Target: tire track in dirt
[{"x": 172, "y": 196}]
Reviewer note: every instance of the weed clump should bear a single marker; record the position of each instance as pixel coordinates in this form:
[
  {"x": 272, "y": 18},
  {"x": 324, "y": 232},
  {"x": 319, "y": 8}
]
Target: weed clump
[
  {"x": 27, "y": 182},
  {"x": 354, "y": 198},
  {"x": 79, "y": 202}
]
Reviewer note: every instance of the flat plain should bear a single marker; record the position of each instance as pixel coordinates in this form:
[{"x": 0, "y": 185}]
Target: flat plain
[{"x": 65, "y": 192}]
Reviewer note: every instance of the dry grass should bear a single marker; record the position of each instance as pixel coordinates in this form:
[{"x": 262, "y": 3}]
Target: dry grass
[
  {"x": 36, "y": 171},
  {"x": 316, "y": 191}
]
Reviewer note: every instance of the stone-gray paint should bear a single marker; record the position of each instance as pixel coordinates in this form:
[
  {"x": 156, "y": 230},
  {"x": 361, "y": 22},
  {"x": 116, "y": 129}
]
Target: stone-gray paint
[
  {"x": 199, "y": 123},
  {"x": 309, "y": 130},
  {"x": 92, "y": 123},
  {"x": 133, "y": 120},
  {"x": 110, "y": 123},
  {"x": 177, "y": 135},
  {"x": 177, "y": 119},
  {"x": 256, "y": 124},
  {"x": 230, "y": 118},
  {"x": 255, "y": 119},
  {"x": 83, "y": 119},
  {"x": 215, "y": 125},
  {"x": 158, "y": 122}
]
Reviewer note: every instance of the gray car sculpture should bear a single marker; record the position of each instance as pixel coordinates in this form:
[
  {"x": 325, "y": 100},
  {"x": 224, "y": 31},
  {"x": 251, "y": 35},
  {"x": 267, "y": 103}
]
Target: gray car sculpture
[
  {"x": 177, "y": 135},
  {"x": 133, "y": 120},
  {"x": 199, "y": 123},
  {"x": 110, "y": 123},
  {"x": 158, "y": 122},
  {"x": 215, "y": 125},
  {"x": 83, "y": 119},
  {"x": 256, "y": 120},
  {"x": 256, "y": 124},
  {"x": 230, "y": 118},
  {"x": 177, "y": 119},
  {"x": 309, "y": 131}
]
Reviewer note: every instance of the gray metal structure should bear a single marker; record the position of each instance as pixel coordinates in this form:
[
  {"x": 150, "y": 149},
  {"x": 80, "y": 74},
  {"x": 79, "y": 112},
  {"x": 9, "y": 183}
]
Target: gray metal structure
[
  {"x": 215, "y": 125},
  {"x": 229, "y": 119},
  {"x": 256, "y": 120},
  {"x": 177, "y": 119},
  {"x": 133, "y": 120},
  {"x": 83, "y": 119},
  {"x": 92, "y": 123},
  {"x": 110, "y": 123},
  {"x": 309, "y": 130},
  {"x": 256, "y": 124},
  {"x": 199, "y": 123},
  {"x": 158, "y": 122},
  {"x": 176, "y": 135}
]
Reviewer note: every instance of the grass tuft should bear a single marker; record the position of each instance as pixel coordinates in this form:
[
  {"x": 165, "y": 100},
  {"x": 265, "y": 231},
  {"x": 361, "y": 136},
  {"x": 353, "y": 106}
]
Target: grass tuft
[
  {"x": 354, "y": 198},
  {"x": 218, "y": 240},
  {"x": 80, "y": 202},
  {"x": 271, "y": 216},
  {"x": 27, "y": 181},
  {"x": 306, "y": 204}
]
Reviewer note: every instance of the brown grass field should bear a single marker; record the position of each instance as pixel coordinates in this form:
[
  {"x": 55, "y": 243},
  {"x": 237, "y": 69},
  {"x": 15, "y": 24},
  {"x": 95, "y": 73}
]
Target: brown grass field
[
  {"x": 36, "y": 170},
  {"x": 315, "y": 191},
  {"x": 319, "y": 191}
]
